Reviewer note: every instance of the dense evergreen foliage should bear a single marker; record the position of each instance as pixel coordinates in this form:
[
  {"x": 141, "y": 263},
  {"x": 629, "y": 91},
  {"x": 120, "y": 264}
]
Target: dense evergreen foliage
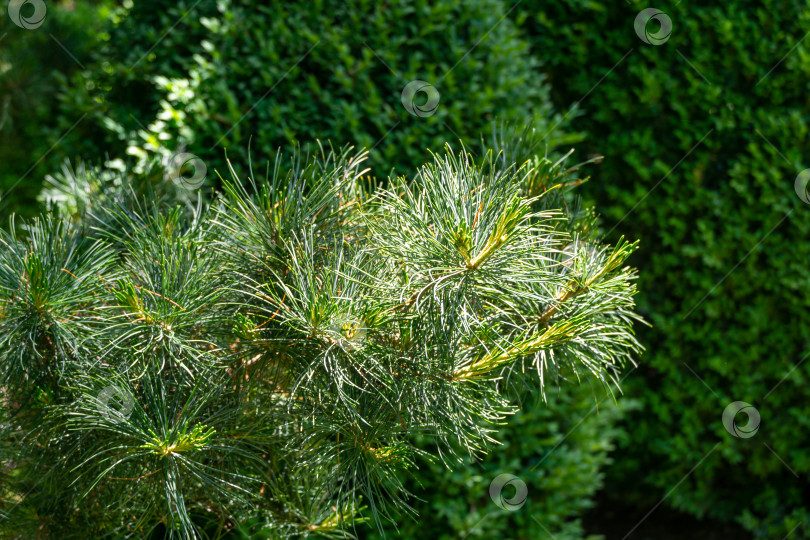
[
  {"x": 703, "y": 136},
  {"x": 35, "y": 66},
  {"x": 703, "y": 132},
  {"x": 270, "y": 363},
  {"x": 559, "y": 448},
  {"x": 208, "y": 74}
]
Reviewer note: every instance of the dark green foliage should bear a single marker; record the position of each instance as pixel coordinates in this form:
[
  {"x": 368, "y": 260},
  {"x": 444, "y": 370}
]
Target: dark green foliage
[
  {"x": 265, "y": 364},
  {"x": 32, "y": 64},
  {"x": 211, "y": 74},
  {"x": 717, "y": 114},
  {"x": 717, "y": 145},
  {"x": 558, "y": 448}
]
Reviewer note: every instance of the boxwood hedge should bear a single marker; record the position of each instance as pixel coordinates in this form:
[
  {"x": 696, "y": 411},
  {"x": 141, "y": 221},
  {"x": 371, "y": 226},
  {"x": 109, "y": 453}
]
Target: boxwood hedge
[
  {"x": 212, "y": 74},
  {"x": 704, "y": 135}
]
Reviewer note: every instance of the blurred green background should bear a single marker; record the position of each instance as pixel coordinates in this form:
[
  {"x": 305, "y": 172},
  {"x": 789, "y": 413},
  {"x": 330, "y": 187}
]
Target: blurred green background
[{"x": 703, "y": 130}]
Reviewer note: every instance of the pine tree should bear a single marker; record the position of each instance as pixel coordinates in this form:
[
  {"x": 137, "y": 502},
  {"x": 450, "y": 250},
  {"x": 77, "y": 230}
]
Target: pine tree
[{"x": 264, "y": 361}]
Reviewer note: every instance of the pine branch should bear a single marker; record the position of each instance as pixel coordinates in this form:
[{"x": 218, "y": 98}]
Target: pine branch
[{"x": 264, "y": 363}]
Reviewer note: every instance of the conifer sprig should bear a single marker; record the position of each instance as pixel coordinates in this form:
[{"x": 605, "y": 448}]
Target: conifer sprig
[{"x": 265, "y": 361}]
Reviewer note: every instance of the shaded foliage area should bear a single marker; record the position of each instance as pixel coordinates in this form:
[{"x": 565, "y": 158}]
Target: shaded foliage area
[
  {"x": 703, "y": 138},
  {"x": 35, "y": 65},
  {"x": 208, "y": 75},
  {"x": 559, "y": 448}
]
